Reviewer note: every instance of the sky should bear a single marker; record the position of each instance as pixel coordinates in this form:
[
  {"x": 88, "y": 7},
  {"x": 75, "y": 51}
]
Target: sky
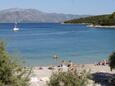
[{"x": 84, "y": 7}]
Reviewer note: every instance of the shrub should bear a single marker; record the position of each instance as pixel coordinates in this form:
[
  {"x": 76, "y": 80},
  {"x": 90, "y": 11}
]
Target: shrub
[
  {"x": 69, "y": 78},
  {"x": 112, "y": 61},
  {"x": 11, "y": 73}
]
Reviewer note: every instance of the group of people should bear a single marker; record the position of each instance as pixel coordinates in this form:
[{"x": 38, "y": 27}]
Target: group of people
[{"x": 103, "y": 62}]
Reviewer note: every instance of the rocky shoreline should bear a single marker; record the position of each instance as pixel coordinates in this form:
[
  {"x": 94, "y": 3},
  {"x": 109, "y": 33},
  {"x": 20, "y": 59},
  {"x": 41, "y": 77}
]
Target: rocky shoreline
[{"x": 100, "y": 26}]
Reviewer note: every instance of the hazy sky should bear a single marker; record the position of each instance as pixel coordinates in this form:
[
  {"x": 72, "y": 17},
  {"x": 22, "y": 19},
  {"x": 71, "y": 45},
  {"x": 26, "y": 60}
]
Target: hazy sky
[{"x": 63, "y": 6}]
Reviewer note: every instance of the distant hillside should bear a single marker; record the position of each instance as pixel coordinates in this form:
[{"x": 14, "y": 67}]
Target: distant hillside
[
  {"x": 33, "y": 15},
  {"x": 96, "y": 20}
]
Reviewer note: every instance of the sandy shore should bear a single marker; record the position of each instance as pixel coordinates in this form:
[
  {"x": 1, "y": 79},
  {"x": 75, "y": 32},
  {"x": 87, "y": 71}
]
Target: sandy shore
[{"x": 39, "y": 77}]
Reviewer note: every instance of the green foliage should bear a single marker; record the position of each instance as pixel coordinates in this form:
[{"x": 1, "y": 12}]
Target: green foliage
[
  {"x": 112, "y": 61},
  {"x": 96, "y": 20},
  {"x": 11, "y": 73},
  {"x": 69, "y": 78}
]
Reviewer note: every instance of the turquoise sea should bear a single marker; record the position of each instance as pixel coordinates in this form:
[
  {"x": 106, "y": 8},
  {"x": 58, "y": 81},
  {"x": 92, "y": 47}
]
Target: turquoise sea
[{"x": 36, "y": 43}]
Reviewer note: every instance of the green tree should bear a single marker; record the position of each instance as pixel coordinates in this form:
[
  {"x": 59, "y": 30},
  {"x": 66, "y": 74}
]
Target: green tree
[
  {"x": 112, "y": 61},
  {"x": 112, "y": 16},
  {"x": 11, "y": 73}
]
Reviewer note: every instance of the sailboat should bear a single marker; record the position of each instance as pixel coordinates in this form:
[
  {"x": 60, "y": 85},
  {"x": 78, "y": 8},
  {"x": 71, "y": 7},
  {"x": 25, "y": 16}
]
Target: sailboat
[{"x": 15, "y": 27}]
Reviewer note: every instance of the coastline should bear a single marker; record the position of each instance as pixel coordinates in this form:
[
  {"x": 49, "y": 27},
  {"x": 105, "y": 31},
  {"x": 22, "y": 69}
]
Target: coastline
[
  {"x": 40, "y": 75},
  {"x": 100, "y": 26},
  {"x": 95, "y": 26}
]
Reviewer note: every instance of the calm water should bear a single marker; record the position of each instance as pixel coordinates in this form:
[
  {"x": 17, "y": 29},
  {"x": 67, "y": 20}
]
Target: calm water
[{"x": 37, "y": 43}]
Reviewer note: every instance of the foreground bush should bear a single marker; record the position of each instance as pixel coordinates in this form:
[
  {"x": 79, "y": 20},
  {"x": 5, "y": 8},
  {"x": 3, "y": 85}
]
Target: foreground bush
[
  {"x": 112, "y": 61},
  {"x": 11, "y": 73},
  {"x": 69, "y": 78}
]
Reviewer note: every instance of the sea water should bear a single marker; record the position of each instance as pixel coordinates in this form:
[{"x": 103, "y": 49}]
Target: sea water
[{"x": 37, "y": 43}]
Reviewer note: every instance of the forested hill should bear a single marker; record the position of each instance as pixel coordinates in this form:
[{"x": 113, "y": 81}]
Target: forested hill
[{"x": 104, "y": 20}]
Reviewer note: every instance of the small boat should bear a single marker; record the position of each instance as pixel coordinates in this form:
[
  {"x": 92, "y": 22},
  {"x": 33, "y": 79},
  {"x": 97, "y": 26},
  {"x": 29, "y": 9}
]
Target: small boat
[{"x": 15, "y": 27}]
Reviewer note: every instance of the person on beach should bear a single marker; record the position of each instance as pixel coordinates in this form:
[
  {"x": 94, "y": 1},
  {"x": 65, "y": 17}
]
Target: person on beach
[
  {"x": 70, "y": 63},
  {"x": 104, "y": 62}
]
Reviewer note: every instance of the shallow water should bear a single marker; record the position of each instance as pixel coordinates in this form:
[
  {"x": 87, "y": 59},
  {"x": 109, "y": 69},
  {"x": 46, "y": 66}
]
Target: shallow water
[{"x": 36, "y": 43}]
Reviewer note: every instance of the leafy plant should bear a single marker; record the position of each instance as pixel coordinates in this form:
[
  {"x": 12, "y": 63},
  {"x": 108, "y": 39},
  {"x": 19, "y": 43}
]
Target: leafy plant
[
  {"x": 69, "y": 78},
  {"x": 11, "y": 73},
  {"x": 112, "y": 61}
]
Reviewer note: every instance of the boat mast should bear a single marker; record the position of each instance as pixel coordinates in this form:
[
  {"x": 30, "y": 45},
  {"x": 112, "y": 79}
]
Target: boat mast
[{"x": 15, "y": 25}]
